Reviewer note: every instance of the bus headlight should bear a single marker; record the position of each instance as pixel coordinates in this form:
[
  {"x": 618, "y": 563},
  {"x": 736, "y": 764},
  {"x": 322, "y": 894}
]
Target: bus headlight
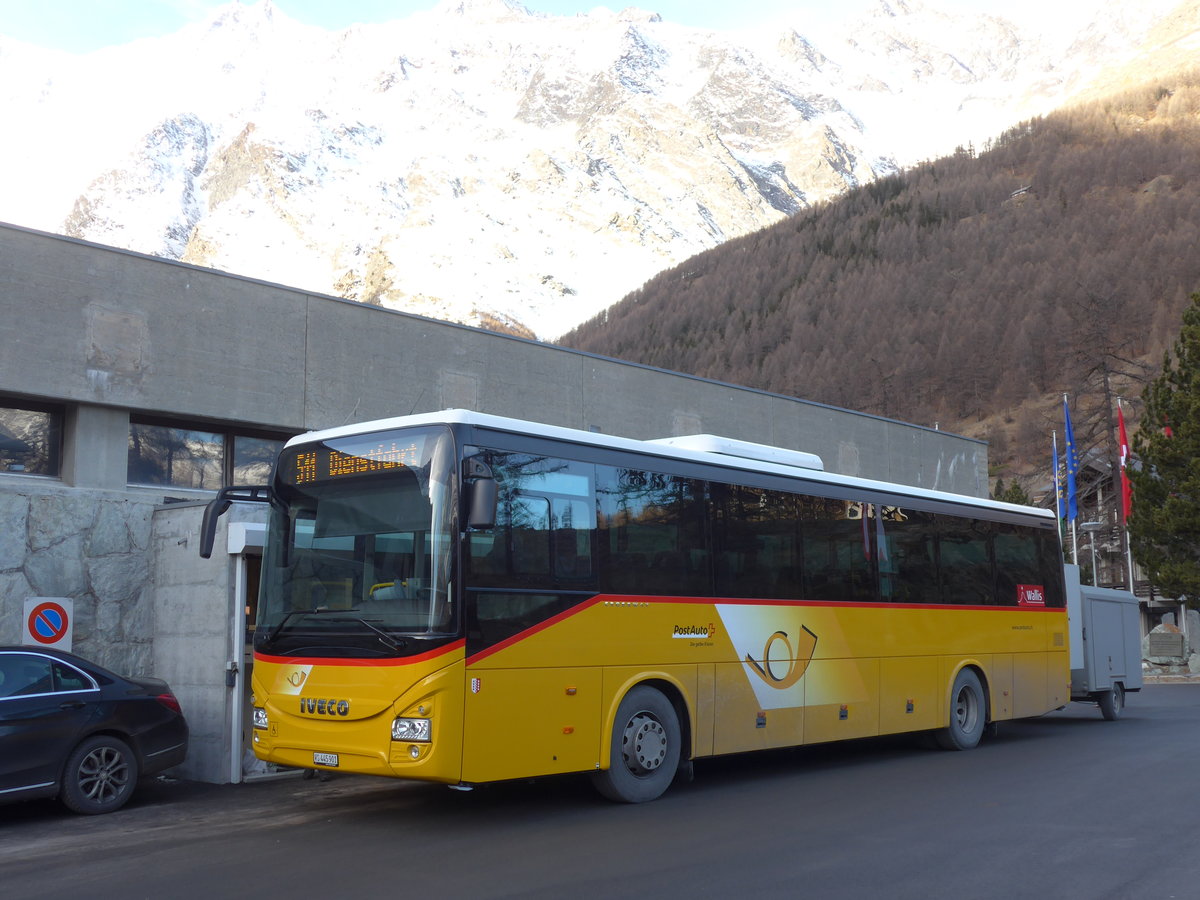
[
  {"x": 259, "y": 718},
  {"x": 411, "y": 730}
]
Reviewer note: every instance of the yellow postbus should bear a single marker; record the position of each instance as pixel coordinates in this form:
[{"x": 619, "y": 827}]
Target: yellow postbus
[{"x": 463, "y": 598}]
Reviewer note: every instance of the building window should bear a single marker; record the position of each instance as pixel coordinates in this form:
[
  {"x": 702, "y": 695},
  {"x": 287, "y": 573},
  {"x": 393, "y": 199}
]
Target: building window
[
  {"x": 252, "y": 459},
  {"x": 30, "y": 438},
  {"x": 196, "y": 458},
  {"x": 178, "y": 457}
]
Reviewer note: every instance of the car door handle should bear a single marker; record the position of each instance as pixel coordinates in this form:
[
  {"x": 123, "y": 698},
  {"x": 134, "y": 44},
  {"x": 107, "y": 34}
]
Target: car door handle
[{"x": 71, "y": 704}]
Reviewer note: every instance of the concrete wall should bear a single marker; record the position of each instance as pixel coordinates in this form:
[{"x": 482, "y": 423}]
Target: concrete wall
[
  {"x": 194, "y": 603},
  {"x": 117, "y": 329}
]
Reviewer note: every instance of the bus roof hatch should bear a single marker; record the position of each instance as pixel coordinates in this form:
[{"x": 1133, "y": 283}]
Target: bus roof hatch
[{"x": 714, "y": 443}]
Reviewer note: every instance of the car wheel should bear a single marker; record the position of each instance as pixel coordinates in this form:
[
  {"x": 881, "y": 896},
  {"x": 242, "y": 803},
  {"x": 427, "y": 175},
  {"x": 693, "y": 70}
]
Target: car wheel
[{"x": 100, "y": 775}]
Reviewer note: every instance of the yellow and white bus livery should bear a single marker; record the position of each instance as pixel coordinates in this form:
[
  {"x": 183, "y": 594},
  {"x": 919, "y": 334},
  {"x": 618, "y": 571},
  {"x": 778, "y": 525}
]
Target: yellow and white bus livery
[{"x": 463, "y": 598}]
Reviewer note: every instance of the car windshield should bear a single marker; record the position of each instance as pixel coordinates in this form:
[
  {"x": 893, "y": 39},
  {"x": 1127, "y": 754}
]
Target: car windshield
[{"x": 360, "y": 545}]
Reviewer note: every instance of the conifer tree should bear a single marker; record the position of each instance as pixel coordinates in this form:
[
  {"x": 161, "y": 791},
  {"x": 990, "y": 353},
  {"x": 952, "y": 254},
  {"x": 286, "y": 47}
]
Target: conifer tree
[
  {"x": 1012, "y": 493},
  {"x": 1164, "y": 526}
]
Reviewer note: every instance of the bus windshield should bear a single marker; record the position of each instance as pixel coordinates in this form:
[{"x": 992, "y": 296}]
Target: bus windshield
[{"x": 359, "y": 546}]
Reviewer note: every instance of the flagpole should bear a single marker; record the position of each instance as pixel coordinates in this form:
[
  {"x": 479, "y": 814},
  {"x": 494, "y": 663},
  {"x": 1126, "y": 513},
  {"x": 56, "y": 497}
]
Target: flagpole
[
  {"x": 1129, "y": 558},
  {"x": 1126, "y": 506},
  {"x": 1058, "y": 497},
  {"x": 1071, "y": 466}
]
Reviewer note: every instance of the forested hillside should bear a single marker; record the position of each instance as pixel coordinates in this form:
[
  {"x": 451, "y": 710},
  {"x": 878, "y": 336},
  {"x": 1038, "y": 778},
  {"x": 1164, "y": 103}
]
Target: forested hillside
[{"x": 970, "y": 292}]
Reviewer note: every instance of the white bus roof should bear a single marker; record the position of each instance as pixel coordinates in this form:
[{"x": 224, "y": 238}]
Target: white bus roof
[{"x": 670, "y": 448}]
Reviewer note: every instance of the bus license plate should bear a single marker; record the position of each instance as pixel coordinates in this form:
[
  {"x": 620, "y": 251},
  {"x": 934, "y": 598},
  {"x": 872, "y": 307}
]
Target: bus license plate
[{"x": 325, "y": 759}]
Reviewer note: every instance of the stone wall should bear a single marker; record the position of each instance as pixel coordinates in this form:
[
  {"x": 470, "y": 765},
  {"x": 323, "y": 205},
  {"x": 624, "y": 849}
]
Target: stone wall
[
  {"x": 1186, "y": 664},
  {"x": 93, "y": 547},
  {"x": 145, "y": 602}
]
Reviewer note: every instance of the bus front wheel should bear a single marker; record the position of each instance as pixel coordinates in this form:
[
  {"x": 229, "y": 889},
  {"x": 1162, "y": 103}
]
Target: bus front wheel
[
  {"x": 967, "y": 714},
  {"x": 645, "y": 748}
]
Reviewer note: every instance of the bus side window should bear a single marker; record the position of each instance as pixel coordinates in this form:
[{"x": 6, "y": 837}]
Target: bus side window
[
  {"x": 653, "y": 530},
  {"x": 1016, "y": 562},
  {"x": 756, "y": 542},
  {"x": 1051, "y": 567},
  {"x": 545, "y": 524},
  {"x": 908, "y": 568},
  {"x": 574, "y": 525},
  {"x": 838, "y": 551},
  {"x": 530, "y": 535},
  {"x": 965, "y": 562}
]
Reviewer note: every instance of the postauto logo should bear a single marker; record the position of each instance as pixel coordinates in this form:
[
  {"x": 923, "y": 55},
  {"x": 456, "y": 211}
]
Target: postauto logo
[{"x": 695, "y": 631}]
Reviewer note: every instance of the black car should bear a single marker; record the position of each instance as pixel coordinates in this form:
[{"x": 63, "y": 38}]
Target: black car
[{"x": 73, "y": 730}]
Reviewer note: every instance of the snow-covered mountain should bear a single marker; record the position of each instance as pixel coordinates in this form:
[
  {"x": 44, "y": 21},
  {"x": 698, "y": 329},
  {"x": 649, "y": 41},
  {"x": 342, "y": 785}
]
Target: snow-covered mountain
[{"x": 484, "y": 164}]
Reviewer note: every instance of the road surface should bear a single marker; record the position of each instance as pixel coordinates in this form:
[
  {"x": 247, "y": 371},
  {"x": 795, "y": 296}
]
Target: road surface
[{"x": 1066, "y": 806}]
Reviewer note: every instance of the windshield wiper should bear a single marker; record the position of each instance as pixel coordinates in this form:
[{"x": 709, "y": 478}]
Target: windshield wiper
[
  {"x": 394, "y": 643},
  {"x": 384, "y": 637},
  {"x": 278, "y": 627}
]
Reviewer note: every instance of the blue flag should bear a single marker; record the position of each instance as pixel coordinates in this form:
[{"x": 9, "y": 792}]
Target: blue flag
[{"x": 1071, "y": 461}]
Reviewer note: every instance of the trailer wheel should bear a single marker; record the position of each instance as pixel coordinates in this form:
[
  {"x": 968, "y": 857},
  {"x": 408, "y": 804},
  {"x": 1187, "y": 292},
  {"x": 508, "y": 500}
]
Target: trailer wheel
[
  {"x": 1112, "y": 701},
  {"x": 967, "y": 714},
  {"x": 645, "y": 750}
]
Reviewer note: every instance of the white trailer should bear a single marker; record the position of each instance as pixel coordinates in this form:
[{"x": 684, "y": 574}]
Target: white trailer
[{"x": 1106, "y": 644}]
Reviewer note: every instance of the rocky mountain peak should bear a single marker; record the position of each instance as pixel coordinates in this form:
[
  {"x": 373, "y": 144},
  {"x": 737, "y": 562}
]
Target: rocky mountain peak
[
  {"x": 252, "y": 18},
  {"x": 482, "y": 10},
  {"x": 518, "y": 167}
]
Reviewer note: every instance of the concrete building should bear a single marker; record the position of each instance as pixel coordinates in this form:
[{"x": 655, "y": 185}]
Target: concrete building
[{"x": 131, "y": 388}]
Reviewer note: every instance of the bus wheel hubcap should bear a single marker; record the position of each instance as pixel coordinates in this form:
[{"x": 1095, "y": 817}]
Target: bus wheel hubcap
[
  {"x": 965, "y": 710},
  {"x": 645, "y": 744}
]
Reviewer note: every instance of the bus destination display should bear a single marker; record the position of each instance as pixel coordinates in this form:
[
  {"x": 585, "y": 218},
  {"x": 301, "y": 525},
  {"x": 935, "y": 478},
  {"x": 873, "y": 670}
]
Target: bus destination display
[{"x": 325, "y": 463}]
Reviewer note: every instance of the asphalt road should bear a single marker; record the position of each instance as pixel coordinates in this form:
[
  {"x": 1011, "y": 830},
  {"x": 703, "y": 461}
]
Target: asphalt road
[{"x": 1066, "y": 806}]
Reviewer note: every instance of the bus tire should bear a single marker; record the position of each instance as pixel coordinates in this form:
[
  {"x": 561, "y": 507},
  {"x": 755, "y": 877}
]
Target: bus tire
[
  {"x": 1112, "y": 701},
  {"x": 645, "y": 748},
  {"x": 968, "y": 714}
]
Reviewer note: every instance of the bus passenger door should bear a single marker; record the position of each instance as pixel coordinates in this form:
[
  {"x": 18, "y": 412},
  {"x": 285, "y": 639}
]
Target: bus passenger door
[{"x": 533, "y": 692}]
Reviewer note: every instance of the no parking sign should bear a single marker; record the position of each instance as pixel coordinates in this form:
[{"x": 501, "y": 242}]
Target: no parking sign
[{"x": 49, "y": 622}]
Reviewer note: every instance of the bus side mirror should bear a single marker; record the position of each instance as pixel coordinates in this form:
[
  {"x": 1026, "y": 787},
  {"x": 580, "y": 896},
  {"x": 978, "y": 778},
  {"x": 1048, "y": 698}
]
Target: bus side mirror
[
  {"x": 481, "y": 512},
  {"x": 216, "y": 508},
  {"x": 481, "y": 491},
  {"x": 208, "y": 525}
]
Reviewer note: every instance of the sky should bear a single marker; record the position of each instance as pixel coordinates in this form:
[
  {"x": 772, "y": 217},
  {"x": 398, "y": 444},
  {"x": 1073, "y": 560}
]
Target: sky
[{"x": 80, "y": 26}]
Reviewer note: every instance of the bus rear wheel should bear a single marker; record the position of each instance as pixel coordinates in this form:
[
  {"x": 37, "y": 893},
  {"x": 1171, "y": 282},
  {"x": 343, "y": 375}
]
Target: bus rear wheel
[
  {"x": 644, "y": 750},
  {"x": 967, "y": 714}
]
